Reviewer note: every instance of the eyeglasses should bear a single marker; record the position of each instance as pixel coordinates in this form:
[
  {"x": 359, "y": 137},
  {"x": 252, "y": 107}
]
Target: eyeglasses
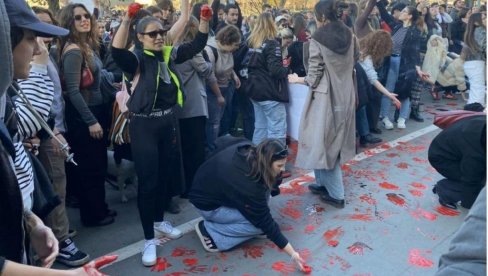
[
  {"x": 78, "y": 17},
  {"x": 155, "y": 34},
  {"x": 281, "y": 154}
]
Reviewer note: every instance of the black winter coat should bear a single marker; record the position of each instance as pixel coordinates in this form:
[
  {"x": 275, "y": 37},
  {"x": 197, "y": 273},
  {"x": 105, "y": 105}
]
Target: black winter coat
[
  {"x": 267, "y": 76},
  {"x": 223, "y": 181},
  {"x": 459, "y": 154},
  {"x": 410, "y": 54}
]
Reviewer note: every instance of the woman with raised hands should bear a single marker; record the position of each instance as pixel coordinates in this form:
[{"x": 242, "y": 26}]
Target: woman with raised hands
[{"x": 152, "y": 107}]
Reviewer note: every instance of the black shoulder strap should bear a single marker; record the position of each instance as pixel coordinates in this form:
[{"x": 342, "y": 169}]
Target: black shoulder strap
[{"x": 215, "y": 53}]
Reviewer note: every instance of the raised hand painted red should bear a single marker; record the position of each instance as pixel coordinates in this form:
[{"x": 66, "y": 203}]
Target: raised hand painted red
[{"x": 133, "y": 9}]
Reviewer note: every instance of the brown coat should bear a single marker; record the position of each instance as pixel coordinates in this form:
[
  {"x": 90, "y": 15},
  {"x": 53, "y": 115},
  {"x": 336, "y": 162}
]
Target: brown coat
[{"x": 328, "y": 124}]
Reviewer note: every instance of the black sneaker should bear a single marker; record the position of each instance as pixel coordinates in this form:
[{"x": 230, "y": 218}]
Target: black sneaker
[
  {"x": 317, "y": 189},
  {"x": 207, "y": 241},
  {"x": 70, "y": 255},
  {"x": 369, "y": 139},
  {"x": 338, "y": 203}
]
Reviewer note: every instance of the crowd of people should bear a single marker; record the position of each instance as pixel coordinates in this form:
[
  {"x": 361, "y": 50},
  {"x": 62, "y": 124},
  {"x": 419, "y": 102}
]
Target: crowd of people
[{"x": 166, "y": 90}]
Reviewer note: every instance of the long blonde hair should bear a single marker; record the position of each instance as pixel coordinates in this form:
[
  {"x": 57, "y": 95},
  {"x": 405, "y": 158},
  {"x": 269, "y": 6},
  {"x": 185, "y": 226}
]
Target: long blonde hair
[{"x": 264, "y": 29}]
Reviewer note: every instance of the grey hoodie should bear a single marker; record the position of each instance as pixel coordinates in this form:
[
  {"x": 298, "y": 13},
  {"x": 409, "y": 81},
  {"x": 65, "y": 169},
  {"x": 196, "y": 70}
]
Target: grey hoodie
[{"x": 223, "y": 67}]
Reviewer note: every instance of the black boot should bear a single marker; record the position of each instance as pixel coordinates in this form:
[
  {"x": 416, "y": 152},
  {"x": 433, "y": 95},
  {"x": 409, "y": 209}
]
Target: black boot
[{"x": 415, "y": 115}]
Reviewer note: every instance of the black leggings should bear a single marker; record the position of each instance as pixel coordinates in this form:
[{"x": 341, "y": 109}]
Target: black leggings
[{"x": 151, "y": 144}]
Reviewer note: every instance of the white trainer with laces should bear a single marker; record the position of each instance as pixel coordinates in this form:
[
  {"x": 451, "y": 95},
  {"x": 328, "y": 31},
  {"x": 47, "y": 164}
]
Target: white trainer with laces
[
  {"x": 149, "y": 252},
  {"x": 167, "y": 230},
  {"x": 387, "y": 123},
  {"x": 401, "y": 123}
]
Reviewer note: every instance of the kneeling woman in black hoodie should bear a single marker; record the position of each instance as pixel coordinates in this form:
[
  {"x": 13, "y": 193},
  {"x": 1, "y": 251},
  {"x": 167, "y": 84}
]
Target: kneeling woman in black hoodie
[{"x": 232, "y": 197}]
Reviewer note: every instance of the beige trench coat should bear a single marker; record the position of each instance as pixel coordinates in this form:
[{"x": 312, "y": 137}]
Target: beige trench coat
[{"x": 328, "y": 123}]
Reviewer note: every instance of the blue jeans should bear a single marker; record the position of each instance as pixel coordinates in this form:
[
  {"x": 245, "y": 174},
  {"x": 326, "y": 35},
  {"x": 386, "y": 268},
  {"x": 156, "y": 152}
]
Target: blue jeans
[
  {"x": 331, "y": 180},
  {"x": 228, "y": 227},
  {"x": 270, "y": 121},
  {"x": 362, "y": 124},
  {"x": 390, "y": 86},
  {"x": 226, "y": 120},
  {"x": 215, "y": 113}
]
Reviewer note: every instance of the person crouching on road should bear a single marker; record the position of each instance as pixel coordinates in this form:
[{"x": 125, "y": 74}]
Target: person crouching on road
[{"x": 232, "y": 197}]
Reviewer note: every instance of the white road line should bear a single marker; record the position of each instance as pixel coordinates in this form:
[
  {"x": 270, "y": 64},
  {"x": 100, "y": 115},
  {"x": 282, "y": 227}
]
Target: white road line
[{"x": 135, "y": 248}]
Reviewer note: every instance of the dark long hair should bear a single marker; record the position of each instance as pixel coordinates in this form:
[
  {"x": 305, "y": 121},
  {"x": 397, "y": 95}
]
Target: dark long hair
[
  {"x": 86, "y": 44},
  {"x": 475, "y": 20},
  {"x": 331, "y": 10},
  {"x": 261, "y": 159},
  {"x": 417, "y": 19}
]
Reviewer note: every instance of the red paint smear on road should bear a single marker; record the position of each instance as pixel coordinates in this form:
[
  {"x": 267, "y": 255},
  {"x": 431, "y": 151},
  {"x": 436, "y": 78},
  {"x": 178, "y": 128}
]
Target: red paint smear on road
[
  {"x": 333, "y": 243},
  {"x": 368, "y": 199},
  {"x": 283, "y": 267},
  {"x": 346, "y": 169},
  {"x": 421, "y": 213},
  {"x": 362, "y": 217},
  {"x": 415, "y": 258},
  {"x": 389, "y": 186},
  {"x": 402, "y": 165},
  {"x": 161, "y": 265},
  {"x": 253, "y": 251},
  {"x": 333, "y": 234},
  {"x": 198, "y": 269},
  {"x": 396, "y": 199},
  {"x": 307, "y": 269},
  {"x": 309, "y": 229},
  {"x": 411, "y": 149},
  {"x": 290, "y": 209},
  {"x": 305, "y": 253},
  {"x": 182, "y": 251},
  {"x": 452, "y": 104},
  {"x": 416, "y": 193},
  {"x": 357, "y": 248},
  {"x": 420, "y": 160},
  {"x": 296, "y": 187},
  {"x": 385, "y": 162},
  {"x": 215, "y": 269},
  {"x": 391, "y": 155},
  {"x": 345, "y": 265},
  {"x": 190, "y": 262},
  {"x": 176, "y": 274},
  {"x": 385, "y": 146},
  {"x": 418, "y": 185},
  {"x": 447, "y": 211}
]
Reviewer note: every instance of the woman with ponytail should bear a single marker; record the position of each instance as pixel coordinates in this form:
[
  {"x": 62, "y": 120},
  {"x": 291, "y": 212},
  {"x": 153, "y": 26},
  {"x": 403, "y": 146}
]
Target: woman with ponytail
[
  {"x": 327, "y": 128},
  {"x": 404, "y": 63}
]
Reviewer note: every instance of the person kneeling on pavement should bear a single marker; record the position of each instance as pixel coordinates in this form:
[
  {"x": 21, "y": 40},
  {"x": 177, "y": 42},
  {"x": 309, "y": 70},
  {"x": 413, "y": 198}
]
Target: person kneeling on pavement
[
  {"x": 231, "y": 191},
  {"x": 459, "y": 154}
]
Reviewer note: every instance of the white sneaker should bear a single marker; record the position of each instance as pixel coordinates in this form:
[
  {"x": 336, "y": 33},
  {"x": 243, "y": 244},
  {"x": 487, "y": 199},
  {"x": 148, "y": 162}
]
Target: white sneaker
[
  {"x": 387, "y": 123},
  {"x": 168, "y": 230},
  {"x": 149, "y": 252},
  {"x": 401, "y": 123}
]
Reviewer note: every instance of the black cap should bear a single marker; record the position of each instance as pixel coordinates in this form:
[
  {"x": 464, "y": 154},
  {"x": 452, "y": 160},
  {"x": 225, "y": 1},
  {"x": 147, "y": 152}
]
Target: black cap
[{"x": 21, "y": 15}]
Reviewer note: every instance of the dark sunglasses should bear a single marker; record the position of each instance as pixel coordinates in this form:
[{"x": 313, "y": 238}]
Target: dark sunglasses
[
  {"x": 155, "y": 34},
  {"x": 78, "y": 17},
  {"x": 281, "y": 154}
]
